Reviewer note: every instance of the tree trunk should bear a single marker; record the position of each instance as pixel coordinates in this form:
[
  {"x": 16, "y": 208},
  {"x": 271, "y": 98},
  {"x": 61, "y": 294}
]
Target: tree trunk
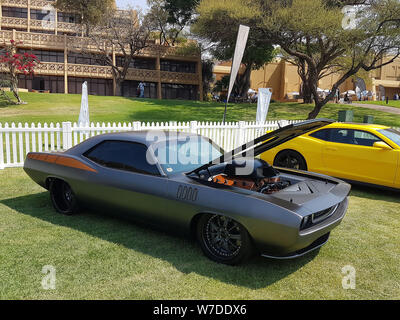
[
  {"x": 306, "y": 90},
  {"x": 314, "y": 113},
  {"x": 243, "y": 82},
  {"x": 14, "y": 87},
  {"x": 313, "y": 85},
  {"x": 306, "y": 93}
]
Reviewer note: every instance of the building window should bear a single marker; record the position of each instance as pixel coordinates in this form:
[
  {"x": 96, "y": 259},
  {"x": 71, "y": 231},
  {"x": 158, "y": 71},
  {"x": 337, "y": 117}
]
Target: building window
[
  {"x": 179, "y": 91},
  {"x": 68, "y": 17},
  {"x": 178, "y": 66},
  {"x": 39, "y": 14},
  {"x": 88, "y": 59},
  {"x": 11, "y": 29},
  {"x": 100, "y": 87},
  {"x": 47, "y": 56},
  {"x": 43, "y": 31},
  {"x": 129, "y": 89},
  {"x": 70, "y": 34},
  {"x": 138, "y": 63},
  {"x": 51, "y": 84},
  {"x": 15, "y": 12}
]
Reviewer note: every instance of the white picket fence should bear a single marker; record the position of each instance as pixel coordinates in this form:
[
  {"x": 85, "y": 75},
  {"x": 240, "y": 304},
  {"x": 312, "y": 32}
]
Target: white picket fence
[{"x": 17, "y": 140}]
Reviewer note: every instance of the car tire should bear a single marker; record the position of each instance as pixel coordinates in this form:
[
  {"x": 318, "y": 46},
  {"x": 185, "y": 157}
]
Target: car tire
[
  {"x": 223, "y": 240},
  {"x": 290, "y": 159},
  {"x": 63, "y": 198}
]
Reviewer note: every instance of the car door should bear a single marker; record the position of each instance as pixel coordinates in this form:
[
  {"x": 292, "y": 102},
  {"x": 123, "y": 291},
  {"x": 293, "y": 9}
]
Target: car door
[
  {"x": 126, "y": 181},
  {"x": 350, "y": 154}
]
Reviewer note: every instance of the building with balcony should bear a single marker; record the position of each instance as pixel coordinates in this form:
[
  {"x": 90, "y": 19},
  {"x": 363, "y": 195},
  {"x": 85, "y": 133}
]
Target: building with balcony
[
  {"x": 57, "y": 39},
  {"x": 284, "y": 80}
]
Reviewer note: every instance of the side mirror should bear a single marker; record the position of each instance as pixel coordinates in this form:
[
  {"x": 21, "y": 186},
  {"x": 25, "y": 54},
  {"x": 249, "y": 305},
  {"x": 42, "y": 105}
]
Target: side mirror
[{"x": 382, "y": 145}]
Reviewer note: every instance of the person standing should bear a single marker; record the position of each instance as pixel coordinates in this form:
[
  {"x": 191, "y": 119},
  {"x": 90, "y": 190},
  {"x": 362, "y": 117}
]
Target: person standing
[
  {"x": 337, "y": 96},
  {"x": 141, "y": 87}
]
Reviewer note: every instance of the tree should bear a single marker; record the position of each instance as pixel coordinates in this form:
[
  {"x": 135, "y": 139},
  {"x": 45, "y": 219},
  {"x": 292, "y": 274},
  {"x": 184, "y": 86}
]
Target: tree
[
  {"x": 15, "y": 64},
  {"x": 218, "y": 23},
  {"x": 158, "y": 21},
  {"x": 207, "y": 66},
  {"x": 167, "y": 32},
  {"x": 317, "y": 35},
  {"x": 221, "y": 84},
  {"x": 181, "y": 13},
  {"x": 169, "y": 18},
  {"x": 127, "y": 35},
  {"x": 91, "y": 11}
]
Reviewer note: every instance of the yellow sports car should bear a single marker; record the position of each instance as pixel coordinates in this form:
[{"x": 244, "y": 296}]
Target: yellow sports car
[{"x": 364, "y": 153}]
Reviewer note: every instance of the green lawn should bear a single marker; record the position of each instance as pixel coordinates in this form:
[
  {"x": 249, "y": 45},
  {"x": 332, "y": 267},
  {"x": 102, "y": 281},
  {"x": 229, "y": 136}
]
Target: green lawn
[
  {"x": 392, "y": 103},
  {"x": 97, "y": 257},
  {"x": 59, "y": 107}
]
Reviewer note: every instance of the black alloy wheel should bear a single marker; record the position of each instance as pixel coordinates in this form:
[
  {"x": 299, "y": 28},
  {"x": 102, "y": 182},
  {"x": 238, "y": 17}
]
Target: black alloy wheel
[
  {"x": 290, "y": 159},
  {"x": 62, "y": 197},
  {"x": 224, "y": 240}
]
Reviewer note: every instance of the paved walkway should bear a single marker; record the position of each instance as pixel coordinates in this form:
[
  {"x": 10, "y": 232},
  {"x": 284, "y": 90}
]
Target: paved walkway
[{"x": 392, "y": 110}]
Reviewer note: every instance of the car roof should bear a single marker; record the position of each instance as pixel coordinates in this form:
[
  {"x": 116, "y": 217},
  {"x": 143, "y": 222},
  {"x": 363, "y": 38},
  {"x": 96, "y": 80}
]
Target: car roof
[
  {"x": 359, "y": 126},
  {"x": 143, "y": 136},
  {"x": 148, "y": 138}
]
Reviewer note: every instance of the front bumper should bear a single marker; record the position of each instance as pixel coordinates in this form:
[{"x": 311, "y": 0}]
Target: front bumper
[
  {"x": 314, "y": 246},
  {"x": 314, "y": 237}
]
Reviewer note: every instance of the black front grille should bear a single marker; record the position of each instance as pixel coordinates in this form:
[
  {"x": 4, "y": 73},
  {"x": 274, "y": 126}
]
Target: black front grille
[{"x": 324, "y": 214}]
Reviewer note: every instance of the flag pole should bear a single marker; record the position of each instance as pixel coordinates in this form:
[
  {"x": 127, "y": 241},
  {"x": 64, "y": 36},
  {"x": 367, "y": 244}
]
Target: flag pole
[{"x": 226, "y": 107}]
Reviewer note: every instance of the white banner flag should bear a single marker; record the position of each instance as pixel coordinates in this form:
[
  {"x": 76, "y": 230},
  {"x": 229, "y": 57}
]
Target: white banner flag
[
  {"x": 84, "y": 114},
  {"x": 241, "y": 42},
  {"x": 264, "y": 99},
  {"x": 237, "y": 58}
]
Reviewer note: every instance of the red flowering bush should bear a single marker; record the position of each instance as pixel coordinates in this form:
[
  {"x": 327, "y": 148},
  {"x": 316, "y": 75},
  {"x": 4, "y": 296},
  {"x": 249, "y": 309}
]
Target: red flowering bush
[{"x": 16, "y": 63}]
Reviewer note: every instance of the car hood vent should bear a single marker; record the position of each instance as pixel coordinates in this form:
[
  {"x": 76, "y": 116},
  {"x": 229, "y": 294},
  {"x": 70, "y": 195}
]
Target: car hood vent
[{"x": 304, "y": 191}]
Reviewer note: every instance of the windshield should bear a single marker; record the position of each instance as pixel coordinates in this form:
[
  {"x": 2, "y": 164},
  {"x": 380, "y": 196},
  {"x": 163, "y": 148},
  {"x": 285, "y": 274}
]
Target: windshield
[
  {"x": 177, "y": 156},
  {"x": 391, "y": 134}
]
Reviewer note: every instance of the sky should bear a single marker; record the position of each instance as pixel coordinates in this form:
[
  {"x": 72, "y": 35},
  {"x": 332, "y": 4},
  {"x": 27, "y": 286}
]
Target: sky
[{"x": 122, "y": 4}]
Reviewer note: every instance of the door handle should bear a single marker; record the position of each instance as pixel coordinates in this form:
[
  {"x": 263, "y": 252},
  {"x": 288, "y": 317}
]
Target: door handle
[{"x": 331, "y": 149}]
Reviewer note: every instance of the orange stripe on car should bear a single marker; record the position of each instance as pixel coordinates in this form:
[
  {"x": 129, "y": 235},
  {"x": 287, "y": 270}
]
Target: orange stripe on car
[
  {"x": 61, "y": 160},
  {"x": 73, "y": 163},
  {"x": 51, "y": 159}
]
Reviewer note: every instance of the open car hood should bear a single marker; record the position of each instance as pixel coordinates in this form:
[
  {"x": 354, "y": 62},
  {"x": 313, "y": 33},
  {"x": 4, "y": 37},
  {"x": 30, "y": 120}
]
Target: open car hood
[{"x": 268, "y": 141}]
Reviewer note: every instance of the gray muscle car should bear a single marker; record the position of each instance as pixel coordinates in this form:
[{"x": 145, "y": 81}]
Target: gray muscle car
[{"x": 233, "y": 203}]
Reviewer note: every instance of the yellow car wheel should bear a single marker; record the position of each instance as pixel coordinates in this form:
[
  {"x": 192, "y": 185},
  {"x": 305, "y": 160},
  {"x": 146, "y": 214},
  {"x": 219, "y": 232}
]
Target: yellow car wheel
[{"x": 290, "y": 159}]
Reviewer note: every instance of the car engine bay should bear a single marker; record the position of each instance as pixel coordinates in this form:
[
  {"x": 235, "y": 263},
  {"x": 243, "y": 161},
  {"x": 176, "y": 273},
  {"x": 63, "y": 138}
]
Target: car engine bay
[{"x": 263, "y": 177}]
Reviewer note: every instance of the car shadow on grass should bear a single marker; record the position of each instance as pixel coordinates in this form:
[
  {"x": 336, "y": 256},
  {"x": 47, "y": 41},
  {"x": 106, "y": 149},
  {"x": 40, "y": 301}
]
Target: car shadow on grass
[
  {"x": 372, "y": 193},
  {"x": 183, "y": 253}
]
